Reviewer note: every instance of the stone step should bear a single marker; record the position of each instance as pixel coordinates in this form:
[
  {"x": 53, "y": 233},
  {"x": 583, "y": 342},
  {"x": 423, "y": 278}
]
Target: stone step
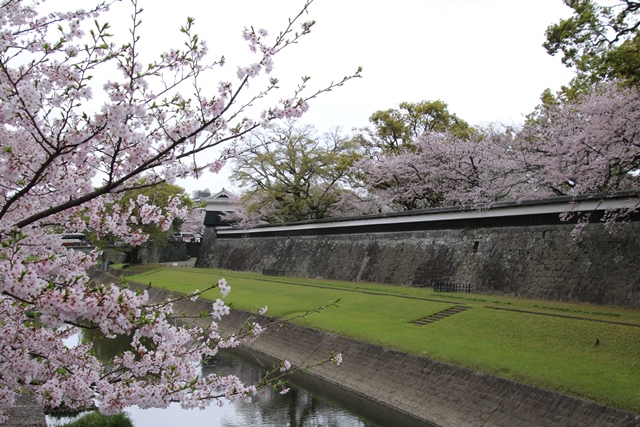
[{"x": 441, "y": 315}]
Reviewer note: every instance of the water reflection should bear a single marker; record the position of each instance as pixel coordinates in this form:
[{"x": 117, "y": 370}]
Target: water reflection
[
  {"x": 106, "y": 348},
  {"x": 298, "y": 408},
  {"x": 312, "y": 405},
  {"x": 295, "y": 409}
]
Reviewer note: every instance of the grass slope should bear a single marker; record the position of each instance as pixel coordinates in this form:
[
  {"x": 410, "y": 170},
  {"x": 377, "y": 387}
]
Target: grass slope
[
  {"x": 543, "y": 343},
  {"x": 95, "y": 419}
]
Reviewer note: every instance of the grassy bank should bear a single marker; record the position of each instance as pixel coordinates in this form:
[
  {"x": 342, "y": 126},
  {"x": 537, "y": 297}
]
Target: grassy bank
[
  {"x": 547, "y": 344},
  {"x": 95, "y": 419}
]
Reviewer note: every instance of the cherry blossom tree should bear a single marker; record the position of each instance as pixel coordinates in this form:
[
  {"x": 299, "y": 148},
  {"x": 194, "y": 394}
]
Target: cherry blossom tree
[
  {"x": 158, "y": 196},
  {"x": 194, "y": 221},
  {"x": 591, "y": 145},
  {"x": 71, "y": 147},
  {"x": 241, "y": 215},
  {"x": 443, "y": 170},
  {"x": 586, "y": 146}
]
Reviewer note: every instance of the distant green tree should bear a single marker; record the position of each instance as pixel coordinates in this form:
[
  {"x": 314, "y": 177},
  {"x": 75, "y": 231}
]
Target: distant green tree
[
  {"x": 398, "y": 128},
  {"x": 601, "y": 42},
  {"x": 289, "y": 173},
  {"x": 540, "y": 114}
]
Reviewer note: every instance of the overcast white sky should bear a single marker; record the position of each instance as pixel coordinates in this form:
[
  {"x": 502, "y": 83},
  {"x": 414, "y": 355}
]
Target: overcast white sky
[{"x": 482, "y": 57}]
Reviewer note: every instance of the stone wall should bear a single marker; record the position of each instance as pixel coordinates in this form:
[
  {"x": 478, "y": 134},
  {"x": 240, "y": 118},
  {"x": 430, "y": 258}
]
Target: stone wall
[
  {"x": 540, "y": 261},
  {"x": 26, "y": 413}
]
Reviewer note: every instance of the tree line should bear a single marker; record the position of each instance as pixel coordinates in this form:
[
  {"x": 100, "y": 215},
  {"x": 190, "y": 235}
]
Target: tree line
[{"x": 583, "y": 139}]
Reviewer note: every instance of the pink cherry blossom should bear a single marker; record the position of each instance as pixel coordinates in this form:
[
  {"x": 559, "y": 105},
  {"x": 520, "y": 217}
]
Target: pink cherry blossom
[
  {"x": 224, "y": 288},
  {"x": 70, "y": 149},
  {"x": 286, "y": 365},
  {"x": 586, "y": 146},
  {"x": 219, "y": 309}
]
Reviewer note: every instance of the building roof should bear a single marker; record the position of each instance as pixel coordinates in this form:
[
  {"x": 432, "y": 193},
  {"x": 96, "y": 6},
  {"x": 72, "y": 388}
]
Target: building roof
[
  {"x": 221, "y": 201},
  {"x": 530, "y": 212}
]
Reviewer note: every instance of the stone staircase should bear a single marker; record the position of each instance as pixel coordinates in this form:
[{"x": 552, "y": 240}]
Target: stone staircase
[{"x": 441, "y": 315}]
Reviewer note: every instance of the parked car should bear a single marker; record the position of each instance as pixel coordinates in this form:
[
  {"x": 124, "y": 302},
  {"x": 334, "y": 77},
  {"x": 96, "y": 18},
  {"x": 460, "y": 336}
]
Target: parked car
[
  {"x": 182, "y": 237},
  {"x": 75, "y": 240}
]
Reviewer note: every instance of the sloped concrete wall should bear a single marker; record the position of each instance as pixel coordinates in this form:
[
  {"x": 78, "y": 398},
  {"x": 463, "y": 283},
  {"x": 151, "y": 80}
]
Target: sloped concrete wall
[
  {"x": 530, "y": 261},
  {"x": 26, "y": 413},
  {"x": 437, "y": 393}
]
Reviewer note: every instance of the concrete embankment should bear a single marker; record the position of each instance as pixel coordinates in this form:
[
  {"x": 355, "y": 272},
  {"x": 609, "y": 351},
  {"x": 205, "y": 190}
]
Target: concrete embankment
[
  {"x": 26, "y": 413},
  {"x": 437, "y": 393}
]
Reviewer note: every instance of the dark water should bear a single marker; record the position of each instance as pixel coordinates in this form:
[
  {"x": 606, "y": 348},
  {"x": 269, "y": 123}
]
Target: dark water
[{"x": 309, "y": 403}]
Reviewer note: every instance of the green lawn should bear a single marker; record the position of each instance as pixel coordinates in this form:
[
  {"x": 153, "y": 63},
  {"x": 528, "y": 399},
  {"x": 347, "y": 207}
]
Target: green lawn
[{"x": 557, "y": 353}]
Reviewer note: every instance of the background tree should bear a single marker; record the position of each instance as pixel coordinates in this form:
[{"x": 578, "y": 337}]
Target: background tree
[
  {"x": 583, "y": 139},
  {"x": 160, "y": 197},
  {"x": 194, "y": 221},
  {"x": 600, "y": 41},
  {"x": 444, "y": 169},
  {"x": 585, "y": 146},
  {"x": 289, "y": 173},
  {"x": 400, "y": 171},
  {"x": 589, "y": 145},
  {"x": 395, "y": 129},
  {"x": 66, "y": 162}
]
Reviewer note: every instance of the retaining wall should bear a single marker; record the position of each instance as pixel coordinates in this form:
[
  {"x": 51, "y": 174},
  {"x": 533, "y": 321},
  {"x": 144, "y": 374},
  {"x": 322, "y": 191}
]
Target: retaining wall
[
  {"x": 534, "y": 261},
  {"x": 26, "y": 413}
]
